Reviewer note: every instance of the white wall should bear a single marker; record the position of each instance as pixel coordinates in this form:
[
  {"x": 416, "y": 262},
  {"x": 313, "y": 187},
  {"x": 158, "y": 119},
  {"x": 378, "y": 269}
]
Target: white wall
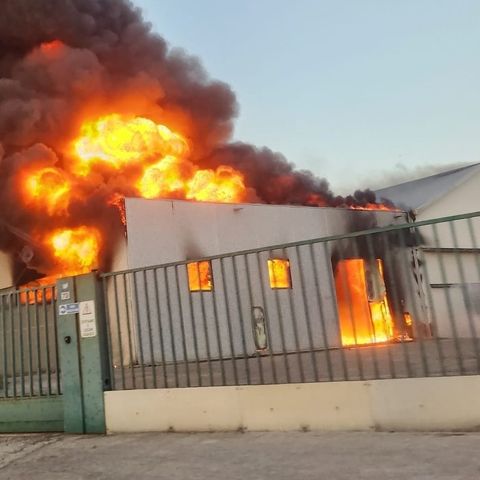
[
  {"x": 454, "y": 306},
  {"x": 418, "y": 404},
  {"x": 6, "y": 279},
  {"x": 163, "y": 231}
]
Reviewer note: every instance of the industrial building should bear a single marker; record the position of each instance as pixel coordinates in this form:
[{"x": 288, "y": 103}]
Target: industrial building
[{"x": 450, "y": 267}]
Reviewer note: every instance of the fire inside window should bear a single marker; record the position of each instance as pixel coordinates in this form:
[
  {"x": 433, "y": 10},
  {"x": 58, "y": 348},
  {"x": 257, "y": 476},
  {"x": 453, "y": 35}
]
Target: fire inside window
[
  {"x": 363, "y": 306},
  {"x": 279, "y": 273},
  {"x": 200, "y": 276}
]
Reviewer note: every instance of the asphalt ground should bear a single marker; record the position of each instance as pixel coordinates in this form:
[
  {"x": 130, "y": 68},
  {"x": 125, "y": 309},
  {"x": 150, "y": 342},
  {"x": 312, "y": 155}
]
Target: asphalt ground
[{"x": 252, "y": 456}]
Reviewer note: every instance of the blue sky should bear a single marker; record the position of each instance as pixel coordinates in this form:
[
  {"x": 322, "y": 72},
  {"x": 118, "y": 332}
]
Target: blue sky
[{"x": 346, "y": 88}]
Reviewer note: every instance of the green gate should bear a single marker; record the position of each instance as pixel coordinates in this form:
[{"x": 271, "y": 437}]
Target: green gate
[{"x": 52, "y": 372}]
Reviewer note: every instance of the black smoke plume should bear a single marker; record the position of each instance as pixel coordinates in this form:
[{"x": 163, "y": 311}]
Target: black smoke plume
[{"x": 110, "y": 56}]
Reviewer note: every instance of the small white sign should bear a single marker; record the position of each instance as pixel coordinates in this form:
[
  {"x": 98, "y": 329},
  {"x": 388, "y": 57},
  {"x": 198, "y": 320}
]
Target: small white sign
[
  {"x": 88, "y": 326},
  {"x": 65, "y": 295},
  {"x": 68, "y": 309}
]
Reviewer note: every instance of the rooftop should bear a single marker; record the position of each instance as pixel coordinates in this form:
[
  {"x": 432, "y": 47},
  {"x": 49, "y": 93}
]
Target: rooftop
[{"x": 417, "y": 194}]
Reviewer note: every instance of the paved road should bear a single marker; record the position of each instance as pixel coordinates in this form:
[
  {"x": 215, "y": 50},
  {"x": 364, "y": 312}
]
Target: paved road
[{"x": 252, "y": 456}]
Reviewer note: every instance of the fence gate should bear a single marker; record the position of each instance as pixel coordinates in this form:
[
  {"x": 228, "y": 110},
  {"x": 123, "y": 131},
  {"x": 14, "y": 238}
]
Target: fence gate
[
  {"x": 47, "y": 369},
  {"x": 30, "y": 387}
]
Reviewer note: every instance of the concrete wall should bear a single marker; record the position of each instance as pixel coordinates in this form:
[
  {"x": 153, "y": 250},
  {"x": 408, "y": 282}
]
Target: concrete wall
[{"x": 422, "y": 404}]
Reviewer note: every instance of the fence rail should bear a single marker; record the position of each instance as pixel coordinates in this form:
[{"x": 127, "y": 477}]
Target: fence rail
[
  {"x": 28, "y": 343},
  {"x": 394, "y": 302}
]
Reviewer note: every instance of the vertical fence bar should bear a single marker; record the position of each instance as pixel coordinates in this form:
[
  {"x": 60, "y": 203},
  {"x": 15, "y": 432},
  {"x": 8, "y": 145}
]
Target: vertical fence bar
[
  {"x": 240, "y": 318},
  {"x": 409, "y": 278},
  {"x": 262, "y": 282},
  {"x": 323, "y": 327},
  {"x": 217, "y": 332},
  {"x": 205, "y": 325},
  {"x": 345, "y": 285},
  {"x": 306, "y": 312},
  {"x": 328, "y": 263},
  {"x": 390, "y": 266},
  {"x": 229, "y": 321},
  {"x": 149, "y": 326},
  {"x": 182, "y": 326},
  {"x": 432, "y": 312},
  {"x": 476, "y": 255},
  {"x": 5, "y": 351},
  {"x": 280, "y": 323},
  {"x": 160, "y": 328},
  {"x": 20, "y": 339},
  {"x": 250, "y": 298},
  {"x": 47, "y": 338},
  {"x": 194, "y": 330},
  {"x": 129, "y": 331},
  {"x": 139, "y": 329},
  {"x": 13, "y": 349},
  {"x": 372, "y": 257},
  {"x": 170, "y": 324},
  {"x": 55, "y": 333},
  {"x": 30, "y": 352},
  {"x": 449, "y": 303},
  {"x": 108, "y": 329},
  {"x": 119, "y": 331},
  {"x": 461, "y": 272},
  {"x": 39, "y": 351},
  {"x": 293, "y": 319}
]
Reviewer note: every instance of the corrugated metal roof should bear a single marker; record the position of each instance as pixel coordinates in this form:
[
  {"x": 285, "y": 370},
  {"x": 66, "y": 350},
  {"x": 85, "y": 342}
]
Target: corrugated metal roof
[{"x": 417, "y": 194}]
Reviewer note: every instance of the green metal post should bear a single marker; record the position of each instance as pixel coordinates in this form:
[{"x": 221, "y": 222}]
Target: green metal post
[
  {"x": 83, "y": 353},
  {"x": 93, "y": 351},
  {"x": 69, "y": 349}
]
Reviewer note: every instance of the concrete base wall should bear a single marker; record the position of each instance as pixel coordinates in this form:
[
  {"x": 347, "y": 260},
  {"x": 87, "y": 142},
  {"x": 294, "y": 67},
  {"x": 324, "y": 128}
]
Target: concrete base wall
[{"x": 422, "y": 404}]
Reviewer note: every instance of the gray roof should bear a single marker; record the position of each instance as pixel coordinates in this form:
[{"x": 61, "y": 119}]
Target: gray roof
[{"x": 418, "y": 194}]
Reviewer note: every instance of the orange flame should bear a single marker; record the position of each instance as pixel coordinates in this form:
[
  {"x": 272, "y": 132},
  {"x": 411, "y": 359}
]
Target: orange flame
[
  {"x": 39, "y": 291},
  {"x": 47, "y": 188},
  {"x": 200, "y": 276},
  {"x": 279, "y": 273},
  {"x": 224, "y": 184},
  {"x": 138, "y": 155},
  {"x": 116, "y": 142},
  {"x": 363, "y": 308},
  {"x": 76, "y": 250}
]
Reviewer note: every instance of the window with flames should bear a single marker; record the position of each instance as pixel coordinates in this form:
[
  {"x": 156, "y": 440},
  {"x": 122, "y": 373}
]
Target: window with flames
[
  {"x": 200, "y": 277},
  {"x": 279, "y": 273}
]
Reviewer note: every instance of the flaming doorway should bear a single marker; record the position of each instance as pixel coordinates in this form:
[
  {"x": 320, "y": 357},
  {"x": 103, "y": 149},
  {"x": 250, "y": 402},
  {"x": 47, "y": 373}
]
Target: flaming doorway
[{"x": 363, "y": 309}]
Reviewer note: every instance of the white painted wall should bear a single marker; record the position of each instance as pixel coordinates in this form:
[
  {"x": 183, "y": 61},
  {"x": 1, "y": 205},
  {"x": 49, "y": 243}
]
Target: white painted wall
[
  {"x": 415, "y": 404},
  {"x": 6, "y": 279},
  {"x": 455, "y": 306},
  {"x": 163, "y": 231}
]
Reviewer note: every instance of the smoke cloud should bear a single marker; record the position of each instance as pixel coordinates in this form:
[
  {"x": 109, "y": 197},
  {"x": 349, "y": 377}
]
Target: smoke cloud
[{"x": 61, "y": 60}]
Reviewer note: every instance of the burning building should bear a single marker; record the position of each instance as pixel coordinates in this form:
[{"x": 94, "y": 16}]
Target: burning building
[
  {"x": 95, "y": 108},
  {"x": 176, "y": 234}
]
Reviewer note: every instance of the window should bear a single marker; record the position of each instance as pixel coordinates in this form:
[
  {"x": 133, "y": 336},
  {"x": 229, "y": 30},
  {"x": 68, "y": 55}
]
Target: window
[
  {"x": 200, "y": 276},
  {"x": 279, "y": 273}
]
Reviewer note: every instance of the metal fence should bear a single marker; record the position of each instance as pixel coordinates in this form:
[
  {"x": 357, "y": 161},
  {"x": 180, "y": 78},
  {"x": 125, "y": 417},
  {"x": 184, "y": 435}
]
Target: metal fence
[
  {"x": 394, "y": 302},
  {"x": 29, "y": 365}
]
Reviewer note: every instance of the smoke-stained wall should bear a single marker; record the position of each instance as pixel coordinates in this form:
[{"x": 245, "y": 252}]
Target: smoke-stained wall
[{"x": 157, "y": 303}]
